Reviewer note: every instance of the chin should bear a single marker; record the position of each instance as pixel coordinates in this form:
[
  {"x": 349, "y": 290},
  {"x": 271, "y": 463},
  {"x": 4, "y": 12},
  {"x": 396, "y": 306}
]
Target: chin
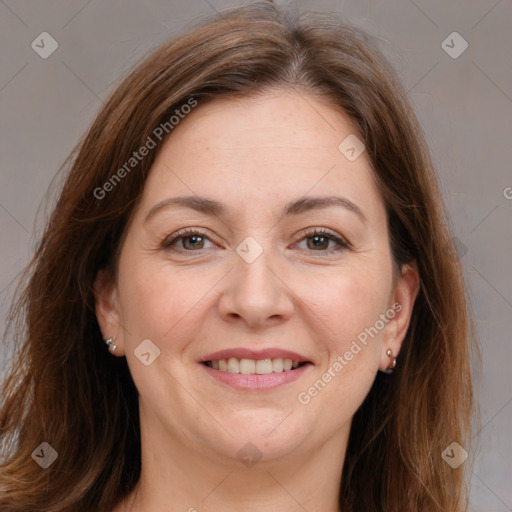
[{"x": 267, "y": 436}]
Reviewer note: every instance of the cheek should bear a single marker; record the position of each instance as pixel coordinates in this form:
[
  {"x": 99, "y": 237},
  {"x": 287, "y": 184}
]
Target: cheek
[
  {"x": 353, "y": 302},
  {"x": 349, "y": 301},
  {"x": 160, "y": 302},
  {"x": 350, "y": 307}
]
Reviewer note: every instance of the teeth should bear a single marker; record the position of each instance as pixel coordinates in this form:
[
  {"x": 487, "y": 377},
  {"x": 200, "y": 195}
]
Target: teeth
[
  {"x": 251, "y": 366},
  {"x": 247, "y": 366},
  {"x": 277, "y": 364},
  {"x": 264, "y": 366},
  {"x": 233, "y": 365}
]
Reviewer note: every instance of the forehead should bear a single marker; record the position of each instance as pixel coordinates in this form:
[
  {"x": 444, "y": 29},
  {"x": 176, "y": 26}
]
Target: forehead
[{"x": 269, "y": 149}]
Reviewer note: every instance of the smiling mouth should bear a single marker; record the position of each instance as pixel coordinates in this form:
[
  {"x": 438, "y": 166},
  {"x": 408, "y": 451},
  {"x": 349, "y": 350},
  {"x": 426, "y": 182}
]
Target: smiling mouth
[{"x": 255, "y": 366}]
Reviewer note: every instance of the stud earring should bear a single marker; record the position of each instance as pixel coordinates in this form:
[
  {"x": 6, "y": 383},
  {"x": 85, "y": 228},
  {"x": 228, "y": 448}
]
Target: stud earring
[
  {"x": 392, "y": 362},
  {"x": 110, "y": 343}
]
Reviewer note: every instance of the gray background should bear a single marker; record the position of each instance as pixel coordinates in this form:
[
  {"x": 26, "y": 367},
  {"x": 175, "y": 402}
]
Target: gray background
[{"x": 464, "y": 105}]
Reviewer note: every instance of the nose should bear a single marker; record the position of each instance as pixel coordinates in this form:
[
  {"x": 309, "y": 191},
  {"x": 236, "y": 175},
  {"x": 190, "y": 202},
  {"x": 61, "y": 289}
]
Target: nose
[{"x": 257, "y": 294}]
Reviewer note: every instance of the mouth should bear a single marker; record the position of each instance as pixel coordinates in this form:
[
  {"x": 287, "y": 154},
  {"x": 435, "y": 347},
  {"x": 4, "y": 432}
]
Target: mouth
[
  {"x": 246, "y": 369},
  {"x": 255, "y": 366}
]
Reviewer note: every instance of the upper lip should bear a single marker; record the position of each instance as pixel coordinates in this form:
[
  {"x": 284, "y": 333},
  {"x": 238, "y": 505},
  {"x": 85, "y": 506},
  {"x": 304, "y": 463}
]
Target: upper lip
[{"x": 245, "y": 353}]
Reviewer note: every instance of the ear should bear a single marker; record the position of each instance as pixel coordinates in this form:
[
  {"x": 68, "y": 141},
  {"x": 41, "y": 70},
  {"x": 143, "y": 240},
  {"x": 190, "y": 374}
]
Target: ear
[
  {"x": 107, "y": 310},
  {"x": 402, "y": 301}
]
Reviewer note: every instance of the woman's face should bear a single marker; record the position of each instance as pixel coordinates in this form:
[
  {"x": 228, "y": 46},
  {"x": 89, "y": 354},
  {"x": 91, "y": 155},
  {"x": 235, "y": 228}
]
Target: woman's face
[{"x": 251, "y": 284}]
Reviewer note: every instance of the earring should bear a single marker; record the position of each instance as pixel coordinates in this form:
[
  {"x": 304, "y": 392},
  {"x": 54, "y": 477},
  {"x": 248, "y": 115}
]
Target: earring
[
  {"x": 392, "y": 362},
  {"x": 110, "y": 344}
]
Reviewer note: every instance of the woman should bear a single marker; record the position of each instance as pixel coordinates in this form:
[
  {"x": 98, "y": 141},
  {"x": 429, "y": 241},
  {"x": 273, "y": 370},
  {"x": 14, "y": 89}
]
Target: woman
[{"x": 253, "y": 227}]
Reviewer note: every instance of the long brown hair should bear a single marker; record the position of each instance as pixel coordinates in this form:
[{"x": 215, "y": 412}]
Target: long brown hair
[{"x": 64, "y": 387}]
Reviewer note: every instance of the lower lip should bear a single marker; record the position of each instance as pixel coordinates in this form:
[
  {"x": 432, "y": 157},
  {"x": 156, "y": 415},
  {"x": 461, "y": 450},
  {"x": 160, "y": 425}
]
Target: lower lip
[{"x": 256, "y": 382}]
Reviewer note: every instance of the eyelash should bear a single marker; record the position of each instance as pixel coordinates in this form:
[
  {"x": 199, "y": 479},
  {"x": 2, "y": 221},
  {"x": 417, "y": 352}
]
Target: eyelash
[{"x": 322, "y": 232}]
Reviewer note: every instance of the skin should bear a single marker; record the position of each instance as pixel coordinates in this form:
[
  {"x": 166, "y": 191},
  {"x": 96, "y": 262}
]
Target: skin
[{"x": 254, "y": 155}]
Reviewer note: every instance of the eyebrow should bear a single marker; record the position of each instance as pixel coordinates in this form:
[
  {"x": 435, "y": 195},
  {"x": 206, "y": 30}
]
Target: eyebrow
[{"x": 296, "y": 207}]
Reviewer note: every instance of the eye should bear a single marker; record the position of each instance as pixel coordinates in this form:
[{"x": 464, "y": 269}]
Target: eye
[
  {"x": 191, "y": 240},
  {"x": 318, "y": 240}
]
